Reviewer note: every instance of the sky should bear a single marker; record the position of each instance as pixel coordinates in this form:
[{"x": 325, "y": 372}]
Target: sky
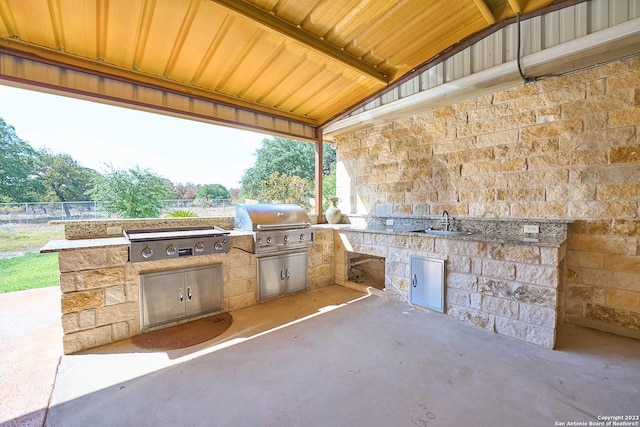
[{"x": 96, "y": 135}]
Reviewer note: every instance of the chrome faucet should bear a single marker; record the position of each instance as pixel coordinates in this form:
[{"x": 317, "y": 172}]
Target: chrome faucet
[{"x": 445, "y": 220}]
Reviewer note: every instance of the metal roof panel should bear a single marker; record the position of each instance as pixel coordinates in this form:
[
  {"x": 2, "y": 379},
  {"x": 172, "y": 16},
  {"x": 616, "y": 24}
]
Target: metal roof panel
[{"x": 306, "y": 60}]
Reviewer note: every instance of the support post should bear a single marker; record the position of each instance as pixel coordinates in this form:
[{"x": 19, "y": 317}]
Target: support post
[{"x": 318, "y": 173}]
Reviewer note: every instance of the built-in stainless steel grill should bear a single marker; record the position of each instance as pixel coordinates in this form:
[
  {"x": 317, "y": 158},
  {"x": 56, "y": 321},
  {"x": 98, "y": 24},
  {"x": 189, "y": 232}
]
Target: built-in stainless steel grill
[
  {"x": 170, "y": 243},
  {"x": 276, "y": 227}
]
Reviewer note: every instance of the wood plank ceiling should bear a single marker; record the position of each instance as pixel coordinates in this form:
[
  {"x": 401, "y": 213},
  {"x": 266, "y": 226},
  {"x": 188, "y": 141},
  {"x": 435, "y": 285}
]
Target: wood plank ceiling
[{"x": 306, "y": 61}]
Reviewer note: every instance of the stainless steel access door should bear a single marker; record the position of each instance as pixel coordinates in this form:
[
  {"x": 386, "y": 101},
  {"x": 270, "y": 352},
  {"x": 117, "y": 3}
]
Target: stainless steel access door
[
  {"x": 162, "y": 298},
  {"x": 203, "y": 290},
  {"x": 427, "y": 283},
  {"x": 270, "y": 277},
  {"x": 296, "y": 272},
  {"x": 173, "y": 295},
  {"x": 282, "y": 274}
]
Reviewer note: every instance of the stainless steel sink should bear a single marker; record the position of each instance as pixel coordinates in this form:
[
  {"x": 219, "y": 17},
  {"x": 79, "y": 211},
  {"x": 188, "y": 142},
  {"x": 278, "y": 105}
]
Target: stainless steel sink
[{"x": 444, "y": 232}]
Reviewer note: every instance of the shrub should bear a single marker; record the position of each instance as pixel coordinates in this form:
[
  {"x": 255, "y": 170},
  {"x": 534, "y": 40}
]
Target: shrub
[{"x": 181, "y": 214}]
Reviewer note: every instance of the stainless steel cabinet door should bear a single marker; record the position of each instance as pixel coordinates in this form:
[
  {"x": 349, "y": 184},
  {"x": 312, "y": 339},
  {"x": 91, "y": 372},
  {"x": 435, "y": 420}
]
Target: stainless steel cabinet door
[
  {"x": 163, "y": 297},
  {"x": 271, "y": 277},
  {"x": 427, "y": 283},
  {"x": 296, "y": 272},
  {"x": 203, "y": 290},
  {"x": 281, "y": 274},
  {"x": 173, "y": 295}
]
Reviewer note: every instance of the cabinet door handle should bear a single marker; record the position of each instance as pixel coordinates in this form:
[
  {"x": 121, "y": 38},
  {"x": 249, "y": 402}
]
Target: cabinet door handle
[
  {"x": 189, "y": 293},
  {"x": 414, "y": 280},
  {"x": 282, "y": 275},
  {"x": 181, "y": 296},
  {"x": 288, "y": 275}
]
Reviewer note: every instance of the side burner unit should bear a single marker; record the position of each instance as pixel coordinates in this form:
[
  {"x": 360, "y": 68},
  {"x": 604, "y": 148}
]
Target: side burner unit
[{"x": 170, "y": 243}]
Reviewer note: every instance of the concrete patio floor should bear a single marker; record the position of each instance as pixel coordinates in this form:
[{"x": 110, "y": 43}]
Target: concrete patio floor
[
  {"x": 329, "y": 357},
  {"x": 30, "y": 349}
]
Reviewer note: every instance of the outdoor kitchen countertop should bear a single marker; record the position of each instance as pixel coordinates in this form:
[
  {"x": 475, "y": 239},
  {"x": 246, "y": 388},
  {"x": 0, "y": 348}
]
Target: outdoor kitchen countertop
[
  {"x": 65, "y": 245},
  {"x": 535, "y": 240},
  {"x": 529, "y": 239}
]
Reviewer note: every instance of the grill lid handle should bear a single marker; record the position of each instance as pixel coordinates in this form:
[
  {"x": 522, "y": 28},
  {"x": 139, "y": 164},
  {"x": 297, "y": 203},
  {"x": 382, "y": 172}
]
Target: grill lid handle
[{"x": 289, "y": 226}]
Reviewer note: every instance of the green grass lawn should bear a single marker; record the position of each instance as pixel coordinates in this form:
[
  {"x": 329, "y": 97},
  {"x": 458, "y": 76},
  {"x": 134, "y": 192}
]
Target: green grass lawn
[
  {"x": 28, "y": 271},
  {"x": 21, "y": 266},
  {"x": 28, "y": 237}
]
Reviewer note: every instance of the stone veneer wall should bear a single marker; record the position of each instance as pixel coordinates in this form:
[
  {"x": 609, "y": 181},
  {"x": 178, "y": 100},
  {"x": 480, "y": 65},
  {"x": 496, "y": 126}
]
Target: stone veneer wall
[
  {"x": 321, "y": 265},
  {"x": 100, "y": 288},
  {"x": 565, "y": 147}
]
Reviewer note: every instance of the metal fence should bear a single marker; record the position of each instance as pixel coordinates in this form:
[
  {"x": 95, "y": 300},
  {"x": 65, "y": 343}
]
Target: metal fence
[
  {"x": 218, "y": 207},
  {"x": 44, "y": 212}
]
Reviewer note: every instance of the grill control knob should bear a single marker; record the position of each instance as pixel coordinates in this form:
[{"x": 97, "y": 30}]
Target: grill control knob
[
  {"x": 301, "y": 237},
  {"x": 146, "y": 253},
  {"x": 259, "y": 240},
  {"x": 286, "y": 239},
  {"x": 269, "y": 240},
  {"x": 199, "y": 247},
  {"x": 171, "y": 250},
  {"x": 218, "y": 246}
]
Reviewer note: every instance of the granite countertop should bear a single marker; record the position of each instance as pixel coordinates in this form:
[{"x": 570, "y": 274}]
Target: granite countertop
[
  {"x": 66, "y": 245},
  {"x": 529, "y": 239}
]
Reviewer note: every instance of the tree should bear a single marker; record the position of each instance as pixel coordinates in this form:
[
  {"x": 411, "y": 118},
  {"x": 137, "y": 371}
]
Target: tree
[
  {"x": 208, "y": 192},
  {"x": 212, "y": 192},
  {"x": 185, "y": 191},
  {"x": 17, "y": 160},
  {"x": 63, "y": 179},
  {"x": 282, "y": 188},
  {"x": 288, "y": 157},
  {"x": 234, "y": 194},
  {"x": 328, "y": 188},
  {"x": 136, "y": 193}
]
